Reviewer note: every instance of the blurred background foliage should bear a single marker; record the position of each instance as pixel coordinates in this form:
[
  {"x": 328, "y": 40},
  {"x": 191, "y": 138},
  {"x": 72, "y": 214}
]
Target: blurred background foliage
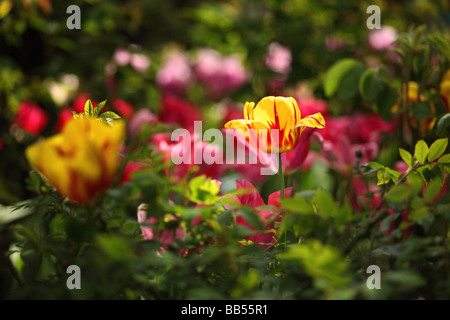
[{"x": 47, "y": 234}]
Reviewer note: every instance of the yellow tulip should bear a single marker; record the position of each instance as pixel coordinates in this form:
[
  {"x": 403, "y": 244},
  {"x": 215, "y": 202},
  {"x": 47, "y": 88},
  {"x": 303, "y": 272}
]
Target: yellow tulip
[
  {"x": 274, "y": 124},
  {"x": 82, "y": 160}
]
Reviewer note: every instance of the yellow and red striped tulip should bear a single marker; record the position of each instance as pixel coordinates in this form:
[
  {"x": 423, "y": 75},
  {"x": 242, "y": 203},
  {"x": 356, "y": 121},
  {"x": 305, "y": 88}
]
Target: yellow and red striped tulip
[
  {"x": 82, "y": 160},
  {"x": 274, "y": 113}
]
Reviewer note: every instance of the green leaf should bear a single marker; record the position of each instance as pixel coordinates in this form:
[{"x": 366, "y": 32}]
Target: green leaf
[
  {"x": 88, "y": 108},
  {"x": 325, "y": 203},
  {"x": 421, "y": 109},
  {"x": 386, "y": 98},
  {"x": 432, "y": 190},
  {"x": 421, "y": 151},
  {"x": 367, "y": 86},
  {"x": 109, "y": 115},
  {"x": 393, "y": 174},
  {"x": 203, "y": 190},
  {"x": 445, "y": 159},
  {"x": 297, "y": 204},
  {"x": 99, "y": 108},
  {"x": 407, "y": 157},
  {"x": 382, "y": 177},
  {"x": 348, "y": 87},
  {"x": 437, "y": 149},
  {"x": 376, "y": 165},
  {"x": 443, "y": 124},
  {"x": 251, "y": 218},
  {"x": 399, "y": 193},
  {"x": 336, "y": 73}
]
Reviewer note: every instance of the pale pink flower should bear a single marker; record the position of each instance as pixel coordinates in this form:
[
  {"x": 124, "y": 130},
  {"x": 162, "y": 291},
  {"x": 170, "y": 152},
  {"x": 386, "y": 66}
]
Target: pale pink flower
[
  {"x": 122, "y": 57},
  {"x": 140, "y": 62},
  {"x": 381, "y": 39},
  {"x": 279, "y": 58}
]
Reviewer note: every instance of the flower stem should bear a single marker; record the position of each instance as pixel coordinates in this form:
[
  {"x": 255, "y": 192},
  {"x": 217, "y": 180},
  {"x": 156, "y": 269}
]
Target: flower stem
[{"x": 283, "y": 194}]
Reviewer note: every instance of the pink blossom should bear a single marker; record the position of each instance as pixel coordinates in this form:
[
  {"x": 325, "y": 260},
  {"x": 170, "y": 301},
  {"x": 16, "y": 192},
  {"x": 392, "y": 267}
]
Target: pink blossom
[
  {"x": 122, "y": 57},
  {"x": 175, "y": 74},
  {"x": 191, "y": 147},
  {"x": 140, "y": 118},
  {"x": 220, "y": 75},
  {"x": 333, "y": 43},
  {"x": 381, "y": 39},
  {"x": 140, "y": 62},
  {"x": 278, "y": 58}
]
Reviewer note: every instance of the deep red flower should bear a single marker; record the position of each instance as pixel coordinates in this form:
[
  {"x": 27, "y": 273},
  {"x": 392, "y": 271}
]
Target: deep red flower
[
  {"x": 31, "y": 118},
  {"x": 179, "y": 112},
  {"x": 124, "y": 109},
  {"x": 65, "y": 115}
]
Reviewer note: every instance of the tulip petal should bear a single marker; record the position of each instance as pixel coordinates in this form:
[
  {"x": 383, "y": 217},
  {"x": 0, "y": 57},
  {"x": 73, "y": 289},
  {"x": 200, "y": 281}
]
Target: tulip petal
[{"x": 313, "y": 121}]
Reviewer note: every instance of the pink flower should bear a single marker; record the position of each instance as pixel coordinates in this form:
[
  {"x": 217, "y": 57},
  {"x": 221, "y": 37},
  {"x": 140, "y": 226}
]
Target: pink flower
[
  {"x": 253, "y": 199},
  {"x": 140, "y": 62},
  {"x": 31, "y": 118},
  {"x": 165, "y": 237},
  {"x": 278, "y": 58},
  {"x": 178, "y": 111},
  {"x": 124, "y": 108},
  {"x": 121, "y": 57},
  {"x": 191, "y": 147},
  {"x": 175, "y": 74},
  {"x": 65, "y": 115},
  {"x": 310, "y": 106},
  {"x": 381, "y": 39},
  {"x": 1, "y": 144},
  {"x": 140, "y": 118},
  {"x": 333, "y": 43},
  {"x": 219, "y": 75}
]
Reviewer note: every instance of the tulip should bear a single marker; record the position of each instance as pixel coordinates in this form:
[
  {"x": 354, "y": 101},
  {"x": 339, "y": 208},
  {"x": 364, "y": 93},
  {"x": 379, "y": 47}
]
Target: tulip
[
  {"x": 82, "y": 160},
  {"x": 274, "y": 124}
]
